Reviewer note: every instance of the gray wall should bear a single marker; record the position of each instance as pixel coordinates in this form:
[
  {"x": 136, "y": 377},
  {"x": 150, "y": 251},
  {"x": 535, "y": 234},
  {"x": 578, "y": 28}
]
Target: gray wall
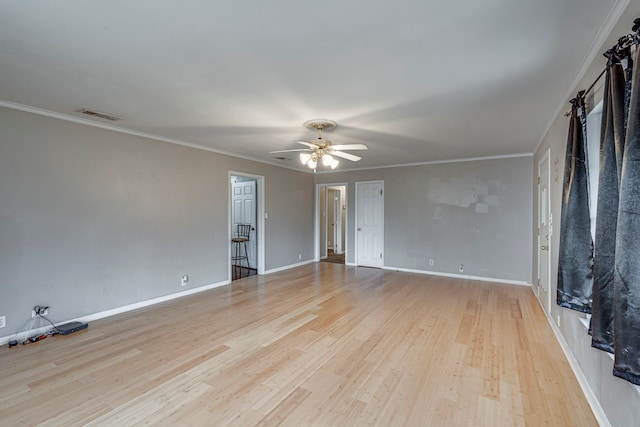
[
  {"x": 619, "y": 399},
  {"x": 476, "y": 213},
  {"x": 92, "y": 220}
]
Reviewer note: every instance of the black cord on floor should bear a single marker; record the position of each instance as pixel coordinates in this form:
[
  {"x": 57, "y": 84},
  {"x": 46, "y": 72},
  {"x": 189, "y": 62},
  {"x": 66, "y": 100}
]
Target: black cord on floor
[{"x": 55, "y": 328}]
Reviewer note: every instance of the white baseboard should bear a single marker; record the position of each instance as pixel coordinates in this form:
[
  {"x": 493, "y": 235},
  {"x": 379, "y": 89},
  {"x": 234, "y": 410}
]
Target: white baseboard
[
  {"x": 289, "y": 267},
  {"x": 126, "y": 308},
  {"x": 149, "y": 302},
  {"x": 458, "y": 276},
  {"x": 32, "y": 332},
  {"x": 141, "y": 304},
  {"x": 593, "y": 401}
]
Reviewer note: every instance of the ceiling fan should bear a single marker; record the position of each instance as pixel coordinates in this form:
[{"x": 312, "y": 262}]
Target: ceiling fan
[{"x": 321, "y": 149}]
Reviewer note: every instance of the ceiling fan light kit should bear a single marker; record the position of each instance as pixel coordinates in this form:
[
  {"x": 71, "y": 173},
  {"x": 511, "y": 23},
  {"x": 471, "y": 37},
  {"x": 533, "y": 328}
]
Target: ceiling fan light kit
[
  {"x": 322, "y": 149},
  {"x": 304, "y": 158},
  {"x": 328, "y": 160}
]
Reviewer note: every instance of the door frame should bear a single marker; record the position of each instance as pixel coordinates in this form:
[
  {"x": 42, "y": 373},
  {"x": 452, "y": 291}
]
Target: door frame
[
  {"x": 381, "y": 182},
  {"x": 318, "y": 218},
  {"x": 260, "y": 206},
  {"x": 337, "y": 221},
  {"x": 546, "y": 305},
  {"x": 337, "y": 218}
]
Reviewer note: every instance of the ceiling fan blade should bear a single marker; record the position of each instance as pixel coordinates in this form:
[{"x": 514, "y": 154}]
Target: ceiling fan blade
[
  {"x": 308, "y": 144},
  {"x": 350, "y": 147},
  {"x": 287, "y": 151},
  {"x": 347, "y": 156}
]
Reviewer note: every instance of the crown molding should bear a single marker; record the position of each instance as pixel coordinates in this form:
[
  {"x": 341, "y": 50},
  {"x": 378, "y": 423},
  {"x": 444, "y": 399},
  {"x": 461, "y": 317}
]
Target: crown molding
[
  {"x": 109, "y": 127},
  {"x": 594, "y": 50}
]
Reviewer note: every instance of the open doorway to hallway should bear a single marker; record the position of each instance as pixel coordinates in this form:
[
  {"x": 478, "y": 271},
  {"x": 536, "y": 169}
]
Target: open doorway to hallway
[
  {"x": 332, "y": 215},
  {"x": 246, "y": 225}
]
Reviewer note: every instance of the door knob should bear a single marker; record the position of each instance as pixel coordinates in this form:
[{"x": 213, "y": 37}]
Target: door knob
[
  {"x": 544, "y": 248},
  {"x": 359, "y": 229}
]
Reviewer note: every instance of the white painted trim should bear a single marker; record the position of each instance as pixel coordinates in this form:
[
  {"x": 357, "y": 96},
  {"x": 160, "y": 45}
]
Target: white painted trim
[
  {"x": 37, "y": 331},
  {"x": 343, "y": 236},
  {"x": 350, "y": 264},
  {"x": 433, "y": 162},
  {"x": 458, "y": 276},
  {"x": 316, "y": 224},
  {"x": 129, "y": 307},
  {"x": 260, "y": 220},
  {"x": 147, "y": 303},
  {"x": 317, "y": 219},
  {"x": 593, "y": 401},
  {"x": 594, "y": 49},
  {"x": 601, "y": 37},
  {"x": 546, "y": 157},
  {"x": 110, "y": 127},
  {"x": 106, "y": 126},
  {"x": 290, "y": 266},
  {"x": 585, "y": 324},
  {"x": 355, "y": 231}
]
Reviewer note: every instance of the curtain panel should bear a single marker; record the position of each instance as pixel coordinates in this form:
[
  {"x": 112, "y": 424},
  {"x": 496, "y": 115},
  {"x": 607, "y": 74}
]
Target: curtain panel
[
  {"x": 612, "y": 143},
  {"x": 606, "y": 281},
  {"x": 626, "y": 299},
  {"x": 575, "y": 262}
]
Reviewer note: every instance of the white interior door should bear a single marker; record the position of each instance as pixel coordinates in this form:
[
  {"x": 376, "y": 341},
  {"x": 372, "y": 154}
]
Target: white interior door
[
  {"x": 244, "y": 212},
  {"x": 544, "y": 234},
  {"x": 369, "y": 224}
]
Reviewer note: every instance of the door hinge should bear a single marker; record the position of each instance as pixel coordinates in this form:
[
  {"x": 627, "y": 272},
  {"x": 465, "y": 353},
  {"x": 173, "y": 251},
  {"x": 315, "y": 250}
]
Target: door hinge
[
  {"x": 380, "y": 256},
  {"x": 381, "y": 192}
]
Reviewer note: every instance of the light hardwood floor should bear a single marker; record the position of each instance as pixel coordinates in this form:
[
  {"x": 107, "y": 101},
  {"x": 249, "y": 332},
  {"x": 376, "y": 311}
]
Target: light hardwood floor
[{"x": 322, "y": 344}]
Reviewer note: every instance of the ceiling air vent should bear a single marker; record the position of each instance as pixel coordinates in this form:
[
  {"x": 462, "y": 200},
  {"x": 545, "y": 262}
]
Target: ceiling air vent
[
  {"x": 282, "y": 158},
  {"x": 99, "y": 114}
]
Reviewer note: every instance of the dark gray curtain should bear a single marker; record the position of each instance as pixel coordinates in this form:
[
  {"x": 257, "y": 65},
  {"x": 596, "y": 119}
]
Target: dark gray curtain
[
  {"x": 612, "y": 145},
  {"x": 575, "y": 263},
  {"x": 626, "y": 301}
]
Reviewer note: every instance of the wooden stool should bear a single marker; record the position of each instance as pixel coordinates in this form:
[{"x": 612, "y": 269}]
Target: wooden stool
[{"x": 243, "y": 235}]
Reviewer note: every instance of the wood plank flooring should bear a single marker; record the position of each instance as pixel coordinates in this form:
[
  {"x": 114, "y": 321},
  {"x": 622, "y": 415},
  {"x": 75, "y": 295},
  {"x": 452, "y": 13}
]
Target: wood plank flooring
[{"x": 319, "y": 345}]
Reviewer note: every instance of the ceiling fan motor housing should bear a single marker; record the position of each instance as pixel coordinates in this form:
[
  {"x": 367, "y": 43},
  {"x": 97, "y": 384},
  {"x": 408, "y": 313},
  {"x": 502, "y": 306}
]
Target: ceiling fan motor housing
[{"x": 320, "y": 124}]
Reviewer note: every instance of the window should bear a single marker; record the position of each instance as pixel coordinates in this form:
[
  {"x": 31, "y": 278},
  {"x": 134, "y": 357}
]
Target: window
[{"x": 594, "y": 120}]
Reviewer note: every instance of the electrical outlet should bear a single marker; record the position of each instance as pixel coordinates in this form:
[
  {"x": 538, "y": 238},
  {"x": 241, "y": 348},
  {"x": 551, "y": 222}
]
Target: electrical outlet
[
  {"x": 299, "y": 256},
  {"x": 431, "y": 261},
  {"x": 184, "y": 280},
  {"x": 461, "y": 268},
  {"x": 43, "y": 311},
  {"x": 3, "y": 321}
]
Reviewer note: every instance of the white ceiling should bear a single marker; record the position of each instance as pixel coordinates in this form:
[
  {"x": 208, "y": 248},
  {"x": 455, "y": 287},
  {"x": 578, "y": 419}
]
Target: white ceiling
[{"x": 416, "y": 81}]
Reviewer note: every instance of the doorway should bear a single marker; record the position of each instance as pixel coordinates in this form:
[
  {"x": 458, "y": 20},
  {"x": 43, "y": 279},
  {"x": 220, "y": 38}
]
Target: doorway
[
  {"x": 331, "y": 226},
  {"x": 246, "y": 206},
  {"x": 544, "y": 234}
]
